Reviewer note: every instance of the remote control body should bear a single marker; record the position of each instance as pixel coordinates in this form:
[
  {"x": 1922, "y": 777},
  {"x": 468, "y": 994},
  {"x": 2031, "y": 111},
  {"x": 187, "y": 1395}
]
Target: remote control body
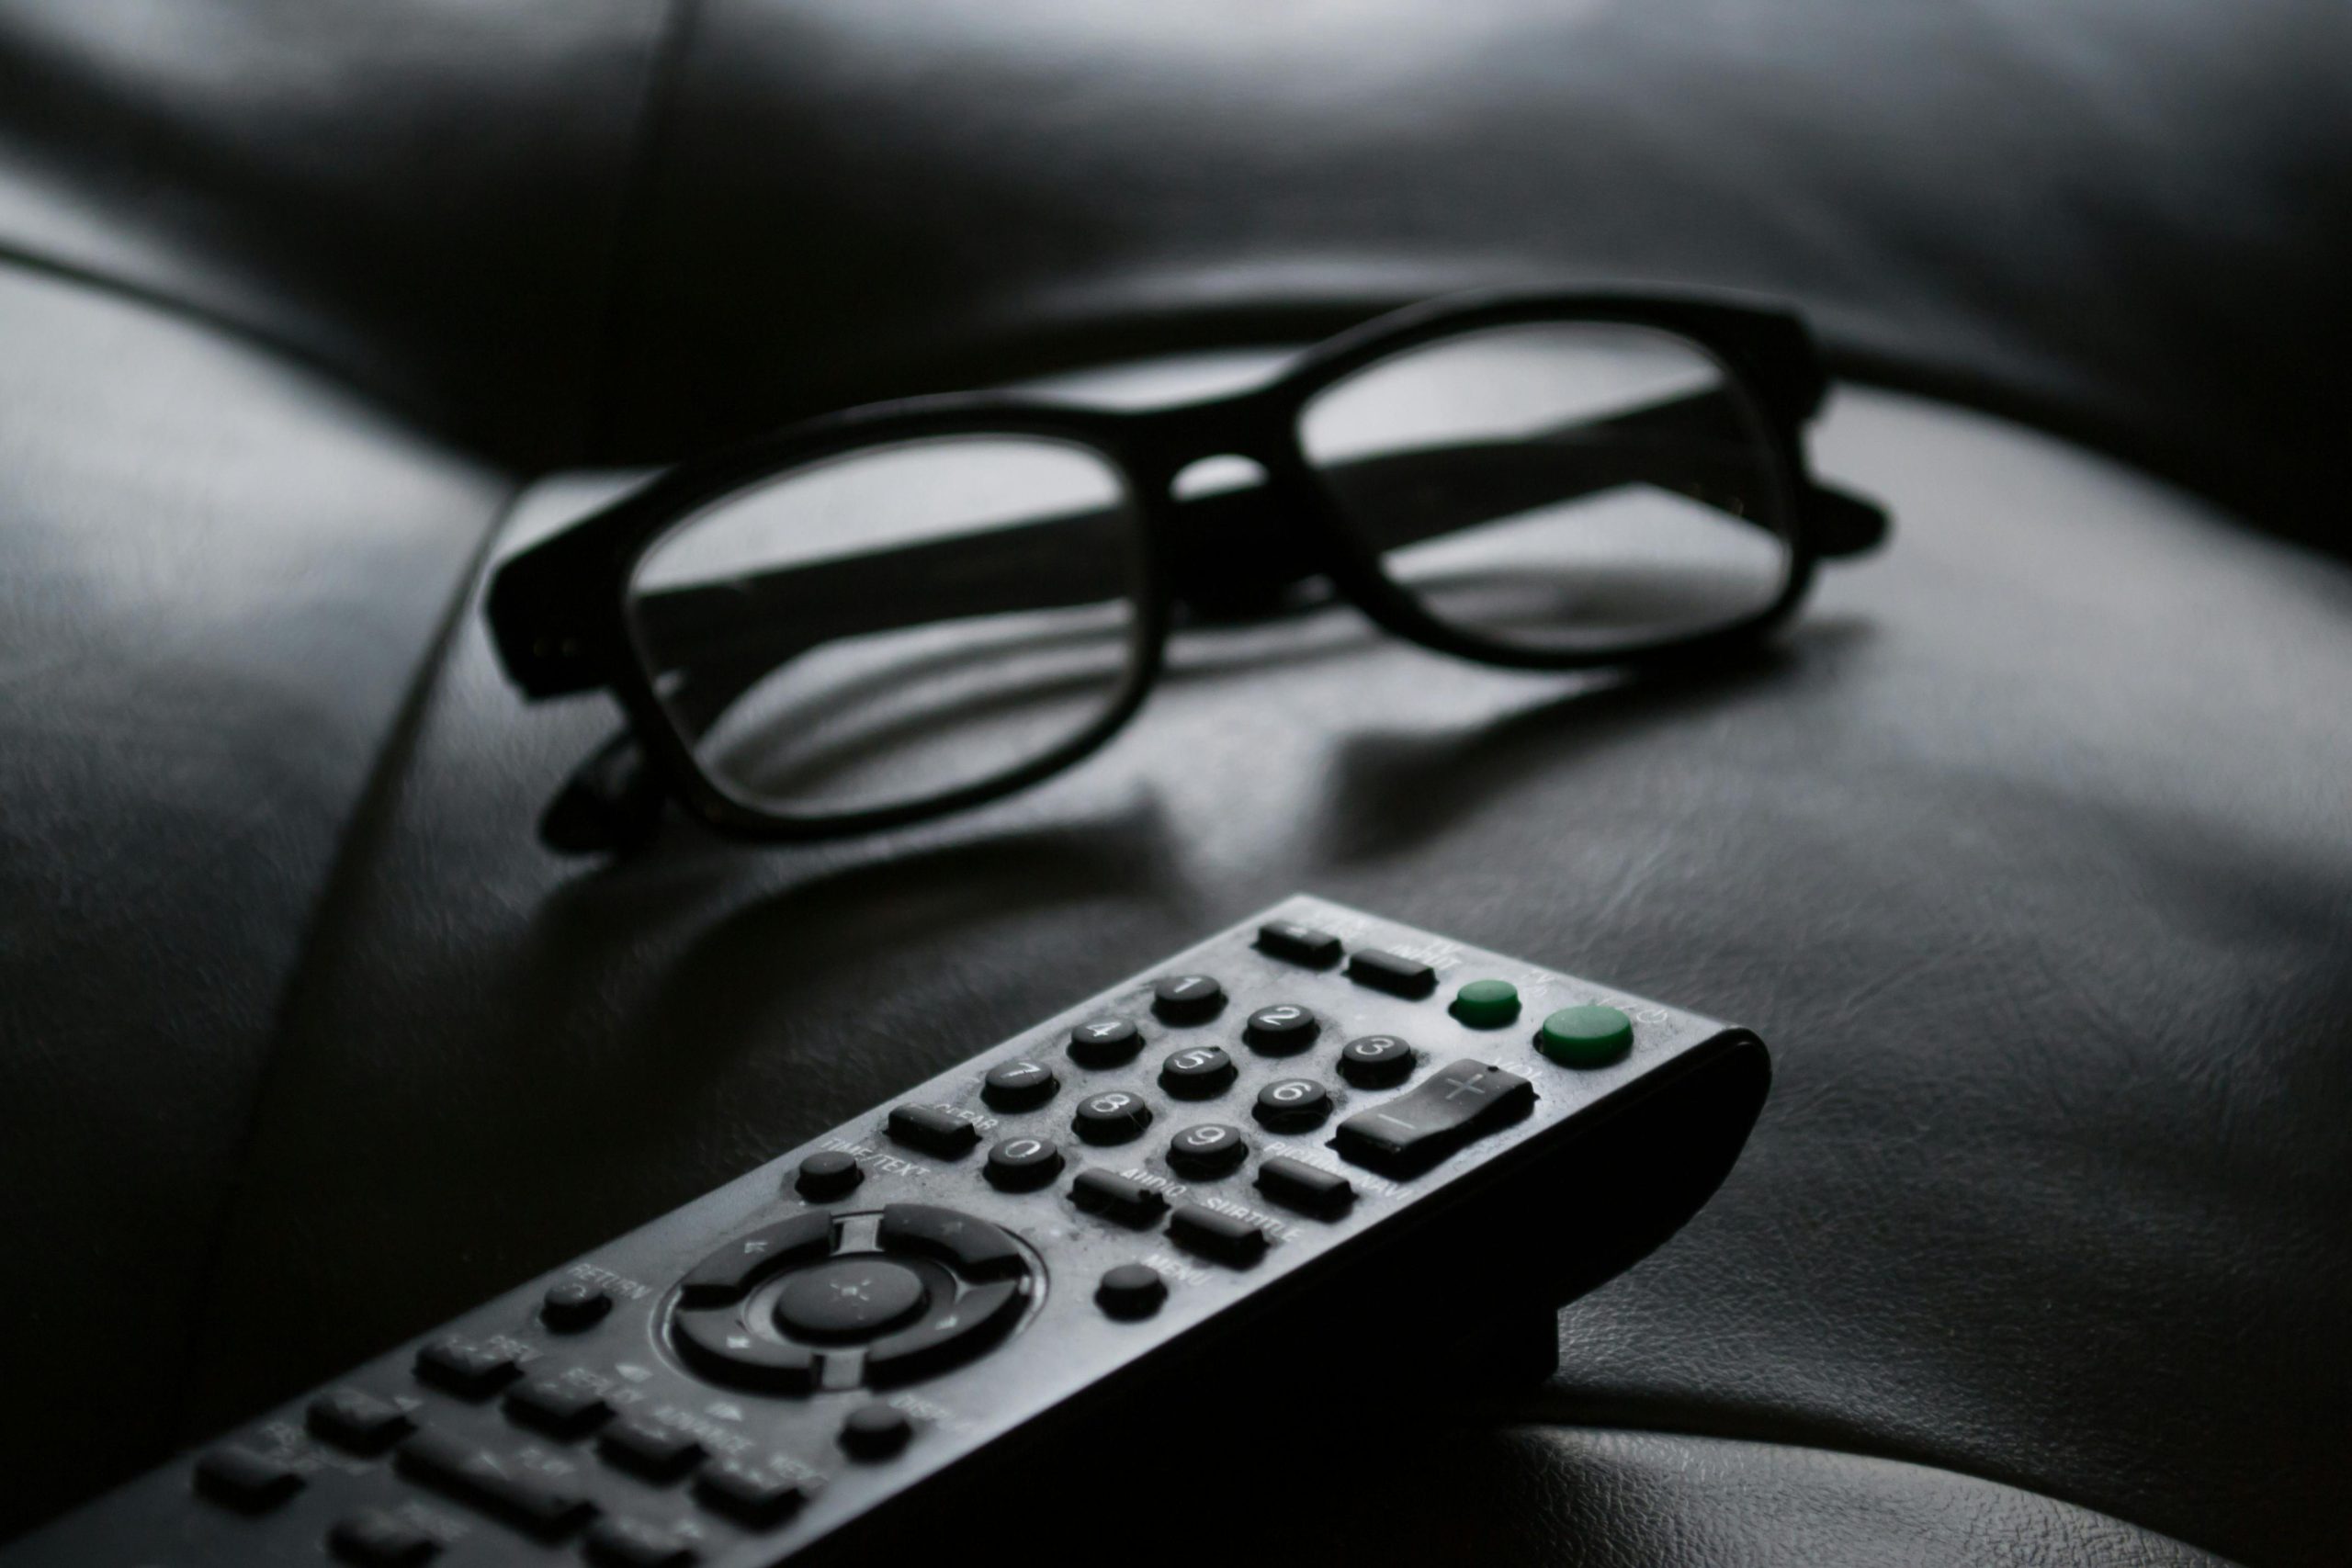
[{"x": 1217, "y": 1164}]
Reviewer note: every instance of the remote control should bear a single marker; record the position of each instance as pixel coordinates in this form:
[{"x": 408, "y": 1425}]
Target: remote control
[{"x": 1318, "y": 1145}]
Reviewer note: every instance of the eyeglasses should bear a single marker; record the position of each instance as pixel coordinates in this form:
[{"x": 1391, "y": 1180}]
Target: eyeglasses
[{"x": 908, "y": 609}]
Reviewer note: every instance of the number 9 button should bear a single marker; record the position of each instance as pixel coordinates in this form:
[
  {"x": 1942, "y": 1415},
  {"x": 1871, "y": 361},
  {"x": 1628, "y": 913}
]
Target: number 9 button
[{"x": 1209, "y": 1149}]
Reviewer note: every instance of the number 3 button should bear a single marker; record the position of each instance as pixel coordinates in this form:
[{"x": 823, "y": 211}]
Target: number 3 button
[{"x": 1210, "y": 1149}]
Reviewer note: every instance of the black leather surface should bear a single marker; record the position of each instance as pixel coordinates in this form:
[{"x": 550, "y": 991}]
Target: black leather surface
[
  {"x": 2030, "y": 855},
  {"x": 217, "y": 577},
  {"x": 2022, "y": 855}
]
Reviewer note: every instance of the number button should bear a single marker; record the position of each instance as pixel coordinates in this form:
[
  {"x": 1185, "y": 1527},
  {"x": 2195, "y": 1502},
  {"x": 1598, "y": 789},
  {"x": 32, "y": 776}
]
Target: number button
[
  {"x": 1104, "y": 1042},
  {"x": 1197, "y": 1073},
  {"x": 1113, "y": 1117},
  {"x": 1375, "y": 1061},
  {"x": 1293, "y": 1105},
  {"x": 1022, "y": 1164},
  {"x": 1019, "y": 1086},
  {"x": 1187, "y": 998},
  {"x": 1282, "y": 1030},
  {"x": 1210, "y": 1149}
]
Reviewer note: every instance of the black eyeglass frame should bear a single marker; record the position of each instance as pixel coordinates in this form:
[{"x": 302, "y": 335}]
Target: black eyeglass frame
[{"x": 558, "y": 610}]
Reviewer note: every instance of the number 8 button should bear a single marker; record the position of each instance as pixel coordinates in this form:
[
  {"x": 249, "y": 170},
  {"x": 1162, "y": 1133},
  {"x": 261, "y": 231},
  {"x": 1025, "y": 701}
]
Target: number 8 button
[
  {"x": 1210, "y": 1149},
  {"x": 1116, "y": 1117}
]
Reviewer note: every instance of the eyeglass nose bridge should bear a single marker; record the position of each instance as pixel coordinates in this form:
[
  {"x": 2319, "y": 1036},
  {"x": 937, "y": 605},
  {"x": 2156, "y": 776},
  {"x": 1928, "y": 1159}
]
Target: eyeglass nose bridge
[{"x": 1236, "y": 549}]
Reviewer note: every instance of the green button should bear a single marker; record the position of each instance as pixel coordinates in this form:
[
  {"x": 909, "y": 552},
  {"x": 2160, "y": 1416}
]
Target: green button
[
  {"x": 1487, "y": 1004},
  {"x": 1586, "y": 1037}
]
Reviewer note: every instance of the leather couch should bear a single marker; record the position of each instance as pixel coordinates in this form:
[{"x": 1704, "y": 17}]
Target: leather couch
[{"x": 2029, "y": 850}]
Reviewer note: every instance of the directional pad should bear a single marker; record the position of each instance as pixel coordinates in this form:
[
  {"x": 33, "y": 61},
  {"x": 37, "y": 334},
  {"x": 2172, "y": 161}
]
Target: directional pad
[{"x": 835, "y": 1300}]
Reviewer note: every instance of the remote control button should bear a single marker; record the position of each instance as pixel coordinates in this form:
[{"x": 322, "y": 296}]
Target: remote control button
[
  {"x": 1292, "y": 1105},
  {"x": 849, "y": 1298},
  {"x": 1131, "y": 1290},
  {"x": 876, "y": 1431},
  {"x": 1019, "y": 1086},
  {"x": 246, "y": 1478},
  {"x": 1218, "y": 1235},
  {"x": 1294, "y": 1184},
  {"x": 469, "y": 1370},
  {"x": 1485, "y": 1004},
  {"x": 1187, "y": 998},
  {"x": 1586, "y": 1037},
  {"x": 719, "y": 1344},
  {"x": 1118, "y": 1197},
  {"x": 1375, "y": 1061},
  {"x": 1022, "y": 1164},
  {"x": 558, "y": 1406},
  {"x": 1390, "y": 972},
  {"x": 571, "y": 1305},
  {"x": 645, "y": 1447},
  {"x": 497, "y": 1484},
  {"x": 375, "y": 1539},
  {"x": 1283, "y": 1030},
  {"x": 1211, "y": 1150},
  {"x": 946, "y": 1337},
  {"x": 632, "y": 1544},
  {"x": 1197, "y": 1072},
  {"x": 1104, "y": 1042},
  {"x": 749, "y": 1493},
  {"x": 357, "y": 1421},
  {"x": 1450, "y": 1106},
  {"x": 933, "y": 1130},
  {"x": 825, "y": 1176},
  {"x": 1113, "y": 1117},
  {"x": 730, "y": 1271},
  {"x": 977, "y": 1247},
  {"x": 1298, "y": 944}
]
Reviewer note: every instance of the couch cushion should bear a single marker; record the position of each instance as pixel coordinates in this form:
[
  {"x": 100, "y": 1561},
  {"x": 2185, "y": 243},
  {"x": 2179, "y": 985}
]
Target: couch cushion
[
  {"x": 218, "y": 577},
  {"x": 2023, "y": 855}
]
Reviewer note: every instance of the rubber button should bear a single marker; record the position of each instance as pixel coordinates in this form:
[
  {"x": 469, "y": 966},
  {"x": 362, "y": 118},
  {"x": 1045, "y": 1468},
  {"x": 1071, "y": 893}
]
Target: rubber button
[
  {"x": 720, "y": 1346},
  {"x": 376, "y": 1539},
  {"x": 876, "y": 1431},
  {"x": 571, "y": 1305},
  {"x": 1298, "y": 943},
  {"x": 933, "y": 1130},
  {"x": 1586, "y": 1037},
  {"x": 633, "y": 1544},
  {"x": 1209, "y": 1150},
  {"x": 730, "y": 1271},
  {"x": 246, "y": 1478},
  {"x": 1104, "y": 1042},
  {"x": 1390, "y": 972},
  {"x": 849, "y": 1298},
  {"x": 1187, "y": 998},
  {"x": 1197, "y": 1072},
  {"x": 1283, "y": 1030},
  {"x": 469, "y": 1370},
  {"x": 751, "y": 1492},
  {"x": 645, "y": 1447},
  {"x": 357, "y": 1421},
  {"x": 1022, "y": 1164},
  {"x": 973, "y": 1245},
  {"x": 1117, "y": 1197},
  {"x": 1375, "y": 1061},
  {"x": 1113, "y": 1117},
  {"x": 946, "y": 1337},
  {"x": 1487, "y": 1004},
  {"x": 558, "y": 1406},
  {"x": 825, "y": 1176},
  {"x": 1294, "y": 1184},
  {"x": 1019, "y": 1086},
  {"x": 1292, "y": 1105},
  {"x": 531, "y": 1495},
  {"x": 1215, "y": 1235},
  {"x": 1131, "y": 1290}
]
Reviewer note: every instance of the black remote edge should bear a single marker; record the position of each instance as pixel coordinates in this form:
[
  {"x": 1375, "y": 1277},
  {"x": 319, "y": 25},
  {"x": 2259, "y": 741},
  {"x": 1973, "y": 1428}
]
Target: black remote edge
[{"x": 802, "y": 1362}]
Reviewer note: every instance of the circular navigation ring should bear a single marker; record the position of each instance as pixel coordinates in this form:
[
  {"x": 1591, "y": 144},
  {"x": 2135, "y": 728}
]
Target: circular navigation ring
[{"x": 835, "y": 1301}]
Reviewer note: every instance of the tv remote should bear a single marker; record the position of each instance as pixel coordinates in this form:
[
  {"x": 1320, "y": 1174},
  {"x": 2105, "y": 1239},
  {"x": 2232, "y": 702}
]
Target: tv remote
[{"x": 1318, "y": 1145}]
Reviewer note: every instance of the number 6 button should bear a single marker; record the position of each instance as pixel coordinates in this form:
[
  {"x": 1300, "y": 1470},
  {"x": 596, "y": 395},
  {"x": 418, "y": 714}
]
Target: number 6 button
[{"x": 1209, "y": 1149}]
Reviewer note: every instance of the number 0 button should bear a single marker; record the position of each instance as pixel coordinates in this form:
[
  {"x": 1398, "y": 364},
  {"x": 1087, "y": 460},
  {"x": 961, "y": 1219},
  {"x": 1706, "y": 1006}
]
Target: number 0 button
[
  {"x": 1116, "y": 1117},
  {"x": 1022, "y": 1164},
  {"x": 1209, "y": 1149}
]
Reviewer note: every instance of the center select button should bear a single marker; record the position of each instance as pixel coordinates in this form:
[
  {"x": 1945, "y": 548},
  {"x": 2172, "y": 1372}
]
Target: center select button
[{"x": 849, "y": 1298}]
